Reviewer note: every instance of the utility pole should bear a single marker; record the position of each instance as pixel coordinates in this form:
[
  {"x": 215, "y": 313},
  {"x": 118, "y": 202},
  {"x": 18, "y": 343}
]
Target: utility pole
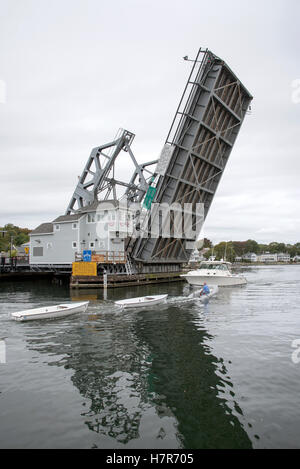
[
  {"x": 3, "y": 258},
  {"x": 11, "y": 259},
  {"x": 10, "y": 246}
]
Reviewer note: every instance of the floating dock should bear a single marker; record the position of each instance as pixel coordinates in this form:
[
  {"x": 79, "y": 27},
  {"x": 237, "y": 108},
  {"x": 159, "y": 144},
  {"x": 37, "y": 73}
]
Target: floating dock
[{"x": 116, "y": 280}]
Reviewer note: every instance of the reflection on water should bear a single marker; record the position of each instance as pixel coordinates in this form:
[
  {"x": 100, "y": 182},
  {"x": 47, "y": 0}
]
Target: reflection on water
[
  {"x": 189, "y": 377},
  {"x": 128, "y": 367},
  {"x": 170, "y": 377}
]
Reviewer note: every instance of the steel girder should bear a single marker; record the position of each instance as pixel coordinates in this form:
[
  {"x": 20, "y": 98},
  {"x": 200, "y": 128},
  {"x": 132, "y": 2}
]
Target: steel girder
[
  {"x": 203, "y": 132},
  {"x": 97, "y": 181}
]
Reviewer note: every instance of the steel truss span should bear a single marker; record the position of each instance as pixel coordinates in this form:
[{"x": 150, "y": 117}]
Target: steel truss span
[
  {"x": 202, "y": 135},
  {"x": 204, "y": 130},
  {"x": 97, "y": 181}
]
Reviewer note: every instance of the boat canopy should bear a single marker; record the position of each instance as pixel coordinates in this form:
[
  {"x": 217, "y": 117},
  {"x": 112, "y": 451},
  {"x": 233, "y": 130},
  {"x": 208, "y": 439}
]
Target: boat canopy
[{"x": 215, "y": 265}]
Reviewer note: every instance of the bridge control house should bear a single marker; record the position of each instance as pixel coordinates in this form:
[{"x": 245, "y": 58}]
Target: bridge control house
[{"x": 101, "y": 227}]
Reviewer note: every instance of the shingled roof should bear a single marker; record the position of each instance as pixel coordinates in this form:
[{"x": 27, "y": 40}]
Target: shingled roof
[
  {"x": 48, "y": 227},
  {"x": 67, "y": 218},
  {"x": 43, "y": 229}
]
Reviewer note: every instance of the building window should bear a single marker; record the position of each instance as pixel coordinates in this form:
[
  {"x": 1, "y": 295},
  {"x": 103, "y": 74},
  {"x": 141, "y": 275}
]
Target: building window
[
  {"x": 74, "y": 226},
  {"x": 38, "y": 251},
  {"x": 92, "y": 245},
  {"x": 91, "y": 218},
  {"x": 74, "y": 245},
  {"x": 57, "y": 227},
  {"x": 49, "y": 245}
]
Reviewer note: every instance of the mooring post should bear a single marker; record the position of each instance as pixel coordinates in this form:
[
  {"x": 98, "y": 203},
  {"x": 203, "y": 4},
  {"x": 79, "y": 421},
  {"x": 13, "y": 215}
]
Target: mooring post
[{"x": 105, "y": 285}]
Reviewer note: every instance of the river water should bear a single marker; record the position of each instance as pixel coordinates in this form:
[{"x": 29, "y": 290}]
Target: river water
[{"x": 179, "y": 375}]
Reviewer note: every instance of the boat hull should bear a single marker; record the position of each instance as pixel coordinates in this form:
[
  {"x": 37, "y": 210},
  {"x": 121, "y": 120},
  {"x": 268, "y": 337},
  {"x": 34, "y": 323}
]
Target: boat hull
[
  {"x": 51, "y": 312},
  {"x": 141, "y": 302},
  {"x": 198, "y": 280}
]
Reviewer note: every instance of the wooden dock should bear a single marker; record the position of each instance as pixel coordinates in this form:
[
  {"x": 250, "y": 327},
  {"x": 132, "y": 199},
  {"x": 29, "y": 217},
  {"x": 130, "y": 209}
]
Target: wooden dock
[
  {"x": 25, "y": 275},
  {"x": 121, "y": 280}
]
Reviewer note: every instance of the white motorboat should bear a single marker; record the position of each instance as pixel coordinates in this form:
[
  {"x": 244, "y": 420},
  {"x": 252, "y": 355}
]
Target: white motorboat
[
  {"x": 142, "y": 301},
  {"x": 214, "y": 273},
  {"x": 50, "y": 312},
  {"x": 204, "y": 298}
]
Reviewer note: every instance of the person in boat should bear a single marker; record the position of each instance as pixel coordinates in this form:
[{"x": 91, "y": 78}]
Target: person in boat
[{"x": 205, "y": 290}]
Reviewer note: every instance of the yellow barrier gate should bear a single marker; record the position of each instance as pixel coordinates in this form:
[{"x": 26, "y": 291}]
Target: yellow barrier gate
[{"x": 84, "y": 268}]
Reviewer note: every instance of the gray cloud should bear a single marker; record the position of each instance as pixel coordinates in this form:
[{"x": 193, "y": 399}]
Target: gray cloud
[{"x": 76, "y": 71}]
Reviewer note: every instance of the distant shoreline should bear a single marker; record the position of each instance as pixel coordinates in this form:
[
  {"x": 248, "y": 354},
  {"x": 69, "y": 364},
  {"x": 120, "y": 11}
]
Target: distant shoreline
[
  {"x": 242, "y": 264},
  {"x": 250, "y": 264}
]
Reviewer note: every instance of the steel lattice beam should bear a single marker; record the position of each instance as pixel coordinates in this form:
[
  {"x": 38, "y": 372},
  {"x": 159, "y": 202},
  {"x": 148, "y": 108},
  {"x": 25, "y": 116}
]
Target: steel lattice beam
[
  {"x": 97, "y": 181},
  {"x": 203, "y": 132}
]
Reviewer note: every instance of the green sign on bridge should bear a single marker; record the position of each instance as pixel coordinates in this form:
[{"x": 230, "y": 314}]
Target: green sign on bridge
[{"x": 149, "y": 197}]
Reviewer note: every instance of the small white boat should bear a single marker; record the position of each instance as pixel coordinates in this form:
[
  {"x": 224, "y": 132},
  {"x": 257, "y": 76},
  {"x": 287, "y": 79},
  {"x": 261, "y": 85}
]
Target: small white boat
[
  {"x": 214, "y": 273},
  {"x": 50, "y": 312},
  {"x": 142, "y": 301},
  {"x": 204, "y": 298}
]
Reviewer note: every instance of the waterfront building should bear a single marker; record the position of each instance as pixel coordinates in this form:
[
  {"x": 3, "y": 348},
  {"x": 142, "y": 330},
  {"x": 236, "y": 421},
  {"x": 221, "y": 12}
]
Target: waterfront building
[
  {"x": 267, "y": 257},
  {"x": 250, "y": 256},
  {"x": 101, "y": 228},
  {"x": 283, "y": 257}
]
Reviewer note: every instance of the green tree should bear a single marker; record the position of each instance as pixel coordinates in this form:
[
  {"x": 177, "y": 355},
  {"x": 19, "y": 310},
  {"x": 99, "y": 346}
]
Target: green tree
[
  {"x": 292, "y": 251},
  {"x": 225, "y": 250},
  {"x": 276, "y": 247},
  {"x": 16, "y": 234},
  {"x": 252, "y": 246},
  {"x": 240, "y": 248},
  {"x": 207, "y": 243}
]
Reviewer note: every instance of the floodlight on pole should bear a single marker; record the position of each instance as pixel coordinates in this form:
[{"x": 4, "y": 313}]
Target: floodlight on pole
[{"x": 186, "y": 58}]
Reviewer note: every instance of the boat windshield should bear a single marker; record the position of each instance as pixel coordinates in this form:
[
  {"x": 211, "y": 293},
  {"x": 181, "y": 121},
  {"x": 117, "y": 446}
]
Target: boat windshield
[{"x": 214, "y": 266}]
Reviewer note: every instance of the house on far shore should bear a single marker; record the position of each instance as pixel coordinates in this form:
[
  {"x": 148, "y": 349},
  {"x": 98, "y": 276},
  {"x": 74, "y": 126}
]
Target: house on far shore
[
  {"x": 267, "y": 257},
  {"x": 250, "y": 257},
  {"x": 283, "y": 257},
  {"x": 296, "y": 259}
]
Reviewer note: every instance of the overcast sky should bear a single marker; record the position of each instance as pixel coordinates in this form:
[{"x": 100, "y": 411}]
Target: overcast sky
[{"x": 77, "y": 70}]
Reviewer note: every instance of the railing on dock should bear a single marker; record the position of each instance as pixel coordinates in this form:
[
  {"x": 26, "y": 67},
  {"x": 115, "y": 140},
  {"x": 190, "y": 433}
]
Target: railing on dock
[
  {"x": 104, "y": 257},
  {"x": 8, "y": 264}
]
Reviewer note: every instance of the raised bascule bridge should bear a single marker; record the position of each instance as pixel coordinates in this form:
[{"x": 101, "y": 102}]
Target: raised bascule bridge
[{"x": 203, "y": 132}]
